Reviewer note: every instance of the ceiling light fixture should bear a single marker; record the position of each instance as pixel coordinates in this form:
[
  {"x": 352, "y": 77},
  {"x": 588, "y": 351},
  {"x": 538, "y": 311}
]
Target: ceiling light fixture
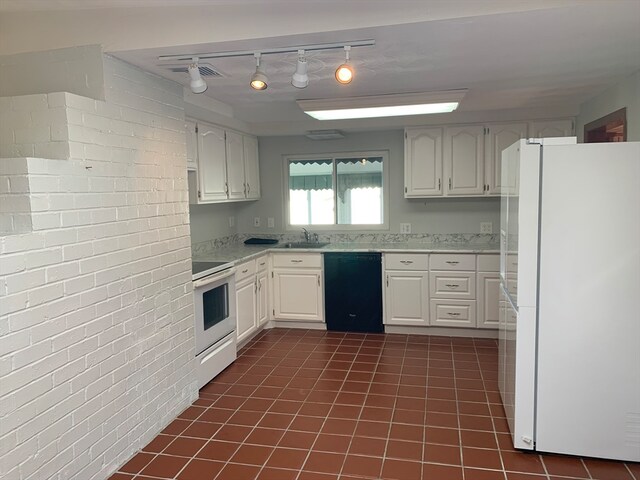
[
  {"x": 259, "y": 80},
  {"x": 344, "y": 73},
  {"x": 197, "y": 84},
  {"x": 300, "y": 78},
  {"x": 383, "y": 105}
]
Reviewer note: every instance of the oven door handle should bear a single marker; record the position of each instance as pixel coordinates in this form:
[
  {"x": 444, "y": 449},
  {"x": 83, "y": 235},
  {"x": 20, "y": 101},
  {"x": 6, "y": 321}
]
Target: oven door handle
[{"x": 214, "y": 278}]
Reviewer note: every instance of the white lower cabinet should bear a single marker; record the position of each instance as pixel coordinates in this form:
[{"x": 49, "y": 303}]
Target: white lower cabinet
[
  {"x": 406, "y": 298},
  {"x": 488, "y": 288},
  {"x": 263, "y": 298},
  {"x": 297, "y": 287},
  {"x": 246, "y": 312},
  {"x": 251, "y": 297},
  {"x": 453, "y": 290},
  {"x": 406, "y": 289}
]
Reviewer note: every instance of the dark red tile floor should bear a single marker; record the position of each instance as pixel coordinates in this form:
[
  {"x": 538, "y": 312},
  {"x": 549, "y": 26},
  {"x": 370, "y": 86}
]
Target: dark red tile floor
[{"x": 312, "y": 405}]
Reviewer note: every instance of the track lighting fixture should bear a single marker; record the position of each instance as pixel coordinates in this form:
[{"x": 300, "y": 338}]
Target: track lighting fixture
[
  {"x": 344, "y": 73},
  {"x": 259, "y": 80},
  {"x": 197, "y": 84},
  {"x": 300, "y": 78}
]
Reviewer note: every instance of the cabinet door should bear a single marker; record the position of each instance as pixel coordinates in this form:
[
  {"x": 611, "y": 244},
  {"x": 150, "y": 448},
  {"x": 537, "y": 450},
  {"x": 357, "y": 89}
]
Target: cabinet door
[
  {"x": 251, "y": 166},
  {"x": 192, "y": 145},
  {"x": 297, "y": 295},
  {"x": 499, "y": 137},
  {"x": 406, "y": 298},
  {"x": 464, "y": 160},
  {"x": 488, "y": 300},
  {"x": 235, "y": 165},
  {"x": 423, "y": 162},
  {"x": 246, "y": 308},
  {"x": 551, "y": 128},
  {"x": 212, "y": 170},
  {"x": 262, "y": 300}
]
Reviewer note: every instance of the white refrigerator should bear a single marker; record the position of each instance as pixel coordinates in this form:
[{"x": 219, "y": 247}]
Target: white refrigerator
[{"x": 570, "y": 297}]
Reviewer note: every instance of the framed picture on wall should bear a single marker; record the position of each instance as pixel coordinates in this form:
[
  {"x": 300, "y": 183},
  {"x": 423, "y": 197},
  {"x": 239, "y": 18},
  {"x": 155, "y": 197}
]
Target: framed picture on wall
[{"x": 610, "y": 128}]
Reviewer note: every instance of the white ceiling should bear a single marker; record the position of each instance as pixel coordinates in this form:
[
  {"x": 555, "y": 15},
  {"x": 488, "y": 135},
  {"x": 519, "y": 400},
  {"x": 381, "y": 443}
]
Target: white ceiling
[{"x": 513, "y": 59}]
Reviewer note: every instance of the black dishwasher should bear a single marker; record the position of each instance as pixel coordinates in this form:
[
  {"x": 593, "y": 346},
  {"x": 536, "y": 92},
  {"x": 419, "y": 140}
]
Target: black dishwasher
[{"x": 353, "y": 292}]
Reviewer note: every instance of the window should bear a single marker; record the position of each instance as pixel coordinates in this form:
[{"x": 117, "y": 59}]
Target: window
[{"x": 337, "y": 190}]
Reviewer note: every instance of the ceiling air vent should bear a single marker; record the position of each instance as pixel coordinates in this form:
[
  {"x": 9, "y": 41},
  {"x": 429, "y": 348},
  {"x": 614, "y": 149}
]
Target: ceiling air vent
[
  {"x": 206, "y": 70},
  {"x": 324, "y": 134}
]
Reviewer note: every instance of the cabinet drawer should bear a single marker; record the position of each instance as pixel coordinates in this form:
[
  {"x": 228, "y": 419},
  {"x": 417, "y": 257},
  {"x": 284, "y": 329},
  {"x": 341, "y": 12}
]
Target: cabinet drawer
[
  {"x": 406, "y": 261},
  {"x": 488, "y": 263},
  {"x": 297, "y": 260},
  {"x": 452, "y": 285},
  {"x": 245, "y": 270},
  {"x": 453, "y": 313},
  {"x": 452, "y": 262},
  {"x": 261, "y": 263}
]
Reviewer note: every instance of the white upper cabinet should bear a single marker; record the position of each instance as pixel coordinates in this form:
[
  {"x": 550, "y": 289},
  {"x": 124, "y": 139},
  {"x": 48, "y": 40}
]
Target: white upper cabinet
[
  {"x": 235, "y": 165},
  {"x": 212, "y": 165},
  {"x": 192, "y": 145},
  {"x": 499, "y": 137},
  {"x": 227, "y": 164},
  {"x": 464, "y": 160},
  {"x": 551, "y": 128},
  {"x": 251, "y": 166},
  {"x": 423, "y": 162}
]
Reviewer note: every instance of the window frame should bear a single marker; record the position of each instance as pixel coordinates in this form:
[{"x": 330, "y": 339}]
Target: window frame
[{"x": 333, "y": 156}]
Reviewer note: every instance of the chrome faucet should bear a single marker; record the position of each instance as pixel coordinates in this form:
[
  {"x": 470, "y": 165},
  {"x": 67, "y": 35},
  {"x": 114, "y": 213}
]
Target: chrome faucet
[{"x": 306, "y": 234}]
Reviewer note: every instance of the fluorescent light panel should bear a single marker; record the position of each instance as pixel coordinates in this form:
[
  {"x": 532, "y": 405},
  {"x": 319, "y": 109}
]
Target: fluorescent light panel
[{"x": 383, "y": 105}]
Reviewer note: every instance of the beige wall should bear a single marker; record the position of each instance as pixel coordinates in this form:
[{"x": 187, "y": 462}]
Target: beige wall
[
  {"x": 626, "y": 93},
  {"x": 434, "y": 215}
]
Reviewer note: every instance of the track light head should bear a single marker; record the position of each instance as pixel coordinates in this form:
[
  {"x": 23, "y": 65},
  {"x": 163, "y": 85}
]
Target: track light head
[
  {"x": 197, "y": 84},
  {"x": 259, "y": 80},
  {"x": 300, "y": 78},
  {"x": 344, "y": 73}
]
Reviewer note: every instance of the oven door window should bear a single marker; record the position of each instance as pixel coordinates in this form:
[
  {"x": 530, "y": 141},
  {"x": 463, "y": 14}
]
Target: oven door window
[{"x": 215, "y": 305}]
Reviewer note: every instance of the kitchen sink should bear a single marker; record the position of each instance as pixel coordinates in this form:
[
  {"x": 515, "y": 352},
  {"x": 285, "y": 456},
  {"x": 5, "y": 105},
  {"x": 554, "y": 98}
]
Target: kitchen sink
[{"x": 305, "y": 244}]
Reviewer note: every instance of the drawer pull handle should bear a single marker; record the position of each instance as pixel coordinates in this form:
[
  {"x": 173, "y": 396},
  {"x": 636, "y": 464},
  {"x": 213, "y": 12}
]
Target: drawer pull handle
[
  {"x": 452, "y": 285},
  {"x": 262, "y": 263},
  {"x": 453, "y": 314},
  {"x": 406, "y": 262},
  {"x": 296, "y": 261},
  {"x": 452, "y": 262},
  {"x": 245, "y": 270}
]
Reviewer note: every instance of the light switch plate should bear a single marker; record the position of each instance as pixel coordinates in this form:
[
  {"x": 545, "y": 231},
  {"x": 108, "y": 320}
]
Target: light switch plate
[
  {"x": 405, "y": 228},
  {"x": 486, "y": 227},
  {"x": 256, "y": 221},
  {"x": 271, "y": 222}
]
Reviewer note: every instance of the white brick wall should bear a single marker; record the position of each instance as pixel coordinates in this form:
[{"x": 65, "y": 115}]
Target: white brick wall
[{"x": 96, "y": 309}]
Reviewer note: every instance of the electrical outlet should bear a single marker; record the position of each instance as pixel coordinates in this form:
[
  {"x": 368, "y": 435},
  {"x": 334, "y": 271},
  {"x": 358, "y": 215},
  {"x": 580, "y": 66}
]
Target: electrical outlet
[
  {"x": 256, "y": 221},
  {"x": 271, "y": 223},
  {"x": 405, "y": 228},
  {"x": 486, "y": 227},
  {"x": 232, "y": 221}
]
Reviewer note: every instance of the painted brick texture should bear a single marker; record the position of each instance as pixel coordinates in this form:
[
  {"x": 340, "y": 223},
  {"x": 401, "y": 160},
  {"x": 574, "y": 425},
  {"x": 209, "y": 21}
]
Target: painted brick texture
[{"x": 96, "y": 308}]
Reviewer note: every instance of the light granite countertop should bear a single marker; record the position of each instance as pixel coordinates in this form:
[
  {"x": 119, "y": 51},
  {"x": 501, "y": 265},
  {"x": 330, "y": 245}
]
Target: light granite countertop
[{"x": 238, "y": 253}]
